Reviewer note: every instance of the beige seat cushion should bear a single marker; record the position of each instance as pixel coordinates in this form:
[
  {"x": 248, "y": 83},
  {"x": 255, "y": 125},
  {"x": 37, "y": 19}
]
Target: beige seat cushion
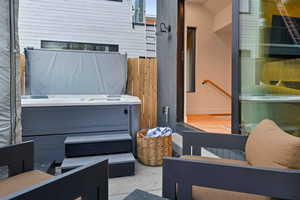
[
  {"x": 202, "y": 193},
  {"x": 19, "y": 182},
  {"x": 269, "y": 146}
]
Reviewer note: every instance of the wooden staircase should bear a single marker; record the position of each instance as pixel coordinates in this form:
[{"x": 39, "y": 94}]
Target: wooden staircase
[{"x": 291, "y": 25}]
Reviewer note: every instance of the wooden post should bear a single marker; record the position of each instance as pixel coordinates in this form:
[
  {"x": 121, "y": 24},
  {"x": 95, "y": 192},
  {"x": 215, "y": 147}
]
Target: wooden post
[{"x": 22, "y": 73}]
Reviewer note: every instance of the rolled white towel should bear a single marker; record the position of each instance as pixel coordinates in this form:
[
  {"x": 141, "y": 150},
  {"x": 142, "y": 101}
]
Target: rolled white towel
[{"x": 159, "y": 132}]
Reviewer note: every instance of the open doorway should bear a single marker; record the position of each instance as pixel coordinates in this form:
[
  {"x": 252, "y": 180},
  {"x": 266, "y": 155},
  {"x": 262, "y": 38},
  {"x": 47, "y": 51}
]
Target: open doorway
[{"x": 208, "y": 64}]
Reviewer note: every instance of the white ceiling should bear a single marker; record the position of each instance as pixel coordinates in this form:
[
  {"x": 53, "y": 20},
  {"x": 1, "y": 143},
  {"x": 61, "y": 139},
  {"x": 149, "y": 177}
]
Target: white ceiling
[{"x": 214, "y": 6}]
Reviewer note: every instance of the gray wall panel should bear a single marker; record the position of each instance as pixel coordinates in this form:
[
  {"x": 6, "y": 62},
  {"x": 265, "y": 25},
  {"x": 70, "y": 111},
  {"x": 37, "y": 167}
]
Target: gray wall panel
[
  {"x": 74, "y": 119},
  {"x": 167, "y": 64}
]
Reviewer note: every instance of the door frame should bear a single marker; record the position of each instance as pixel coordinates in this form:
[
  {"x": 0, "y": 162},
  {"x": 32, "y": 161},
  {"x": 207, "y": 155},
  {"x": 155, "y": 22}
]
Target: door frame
[
  {"x": 180, "y": 61},
  {"x": 236, "y": 74}
]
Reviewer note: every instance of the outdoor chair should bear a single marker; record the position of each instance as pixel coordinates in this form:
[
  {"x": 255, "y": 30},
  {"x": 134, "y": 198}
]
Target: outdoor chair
[
  {"x": 23, "y": 183},
  {"x": 271, "y": 169}
]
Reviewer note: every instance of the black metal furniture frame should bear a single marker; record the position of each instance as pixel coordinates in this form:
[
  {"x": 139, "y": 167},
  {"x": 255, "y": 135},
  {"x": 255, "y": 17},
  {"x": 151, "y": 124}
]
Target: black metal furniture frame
[
  {"x": 277, "y": 183},
  {"x": 89, "y": 182}
]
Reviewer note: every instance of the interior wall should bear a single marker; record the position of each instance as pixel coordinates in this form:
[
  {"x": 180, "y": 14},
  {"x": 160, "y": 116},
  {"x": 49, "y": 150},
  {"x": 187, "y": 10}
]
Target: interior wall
[{"x": 213, "y": 59}]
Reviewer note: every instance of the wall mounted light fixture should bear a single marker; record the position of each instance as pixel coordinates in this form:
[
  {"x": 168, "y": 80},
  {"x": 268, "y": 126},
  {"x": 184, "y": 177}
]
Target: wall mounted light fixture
[{"x": 164, "y": 28}]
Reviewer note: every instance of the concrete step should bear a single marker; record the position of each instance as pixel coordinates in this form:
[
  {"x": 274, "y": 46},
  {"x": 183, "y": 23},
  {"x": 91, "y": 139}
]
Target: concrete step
[
  {"x": 97, "y": 145},
  {"x": 120, "y": 165}
]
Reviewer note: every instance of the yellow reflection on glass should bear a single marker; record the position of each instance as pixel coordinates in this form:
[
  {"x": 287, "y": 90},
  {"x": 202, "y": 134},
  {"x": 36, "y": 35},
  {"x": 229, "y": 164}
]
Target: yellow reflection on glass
[{"x": 270, "y": 64}]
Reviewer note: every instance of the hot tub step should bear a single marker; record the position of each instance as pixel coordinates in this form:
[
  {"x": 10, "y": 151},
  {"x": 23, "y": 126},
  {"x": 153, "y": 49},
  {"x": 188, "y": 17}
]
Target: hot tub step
[
  {"x": 98, "y": 145},
  {"x": 119, "y": 164}
]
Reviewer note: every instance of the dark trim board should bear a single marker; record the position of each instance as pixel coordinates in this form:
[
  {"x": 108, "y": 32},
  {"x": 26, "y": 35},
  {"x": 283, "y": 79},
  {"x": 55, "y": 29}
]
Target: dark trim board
[
  {"x": 115, "y": 47},
  {"x": 236, "y": 73},
  {"x": 138, "y": 24},
  {"x": 180, "y": 60},
  {"x": 151, "y": 25}
]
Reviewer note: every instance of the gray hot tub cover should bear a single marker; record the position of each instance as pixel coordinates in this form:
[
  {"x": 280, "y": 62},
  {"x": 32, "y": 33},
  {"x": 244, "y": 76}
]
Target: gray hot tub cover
[
  {"x": 66, "y": 72},
  {"x": 10, "y": 109}
]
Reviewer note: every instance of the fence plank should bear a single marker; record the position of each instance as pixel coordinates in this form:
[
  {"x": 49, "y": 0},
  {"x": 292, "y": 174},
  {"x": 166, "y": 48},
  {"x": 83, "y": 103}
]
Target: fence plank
[
  {"x": 142, "y": 82},
  {"x": 22, "y": 72}
]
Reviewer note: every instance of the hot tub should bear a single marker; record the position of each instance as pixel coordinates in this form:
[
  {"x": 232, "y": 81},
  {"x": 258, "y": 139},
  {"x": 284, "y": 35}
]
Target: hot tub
[
  {"x": 48, "y": 120},
  {"x": 78, "y": 100}
]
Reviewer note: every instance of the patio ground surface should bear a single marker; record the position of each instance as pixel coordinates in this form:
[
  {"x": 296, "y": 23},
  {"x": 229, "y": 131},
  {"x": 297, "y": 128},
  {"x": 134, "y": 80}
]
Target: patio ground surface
[{"x": 146, "y": 178}]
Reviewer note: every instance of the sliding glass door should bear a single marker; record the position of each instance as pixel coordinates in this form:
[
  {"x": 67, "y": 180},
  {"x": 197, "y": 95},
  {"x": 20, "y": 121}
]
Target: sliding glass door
[{"x": 270, "y": 63}]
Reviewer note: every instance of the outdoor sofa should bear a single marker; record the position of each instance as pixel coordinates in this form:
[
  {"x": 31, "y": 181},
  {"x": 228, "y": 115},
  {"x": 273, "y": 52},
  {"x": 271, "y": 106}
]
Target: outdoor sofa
[
  {"x": 271, "y": 168},
  {"x": 86, "y": 183}
]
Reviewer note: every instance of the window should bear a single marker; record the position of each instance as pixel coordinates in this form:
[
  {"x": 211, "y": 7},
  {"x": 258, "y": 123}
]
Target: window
[
  {"x": 79, "y": 46},
  {"x": 191, "y": 60},
  {"x": 270, "y": 64},
  {"x": 138, "y": 11}
]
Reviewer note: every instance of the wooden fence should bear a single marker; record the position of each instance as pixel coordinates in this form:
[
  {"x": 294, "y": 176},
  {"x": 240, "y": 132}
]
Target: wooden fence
[{"x": 142, "y": 82}]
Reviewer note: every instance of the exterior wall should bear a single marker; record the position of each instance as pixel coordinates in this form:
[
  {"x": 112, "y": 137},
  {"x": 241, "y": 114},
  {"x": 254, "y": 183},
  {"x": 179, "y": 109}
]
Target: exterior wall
[
  {"x": 213, "y": 59},
  {"x": 249, "y": 42},
  {"x": 93, "y": 21},
  {"x": 151, "y": 40},
  {"x": 167, "y": 62}
]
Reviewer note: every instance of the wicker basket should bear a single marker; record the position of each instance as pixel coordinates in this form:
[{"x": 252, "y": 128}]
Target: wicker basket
[{"x": 151, "y": 151}]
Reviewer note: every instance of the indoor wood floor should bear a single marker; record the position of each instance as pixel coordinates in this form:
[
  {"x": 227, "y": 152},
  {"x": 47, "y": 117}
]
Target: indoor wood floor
[{"x": 211, "y": 123}]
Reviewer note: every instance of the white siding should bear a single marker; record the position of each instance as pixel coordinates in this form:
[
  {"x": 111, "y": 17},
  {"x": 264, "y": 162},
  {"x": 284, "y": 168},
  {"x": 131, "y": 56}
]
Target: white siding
[
  {"x": 92, "y": 21},
  {"x": 151, "y": 41},
  {"x": 250, "y": 25}
]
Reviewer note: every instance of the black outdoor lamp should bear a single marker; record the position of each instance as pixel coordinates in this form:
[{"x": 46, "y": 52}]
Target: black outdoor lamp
[{"x": 164, "y": 28}]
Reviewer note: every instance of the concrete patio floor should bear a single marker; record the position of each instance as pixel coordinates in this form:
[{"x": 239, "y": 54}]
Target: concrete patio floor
[{"x": 146, "y": 178}]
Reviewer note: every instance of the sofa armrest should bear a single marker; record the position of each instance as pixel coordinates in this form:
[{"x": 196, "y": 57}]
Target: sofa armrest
[
  {"x": 277, "y": 183},
  {"x": 89, "y": 182},
  {"x": 18, "y": 158},
  {"x": 213, "y": 140}
]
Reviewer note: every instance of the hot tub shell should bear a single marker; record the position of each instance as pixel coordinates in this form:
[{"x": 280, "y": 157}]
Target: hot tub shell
[{"x": 48, "y": 120}]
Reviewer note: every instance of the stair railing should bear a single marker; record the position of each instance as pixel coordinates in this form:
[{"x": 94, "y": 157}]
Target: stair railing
[
  {"x": 217, "y": 87},
  {"x": 289, "y": 22}
]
